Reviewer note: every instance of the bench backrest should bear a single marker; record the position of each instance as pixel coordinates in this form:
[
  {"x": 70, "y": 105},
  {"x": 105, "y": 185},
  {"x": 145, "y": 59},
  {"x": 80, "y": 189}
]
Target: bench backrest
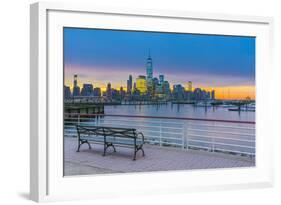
[{"x": 107, "y": 131}]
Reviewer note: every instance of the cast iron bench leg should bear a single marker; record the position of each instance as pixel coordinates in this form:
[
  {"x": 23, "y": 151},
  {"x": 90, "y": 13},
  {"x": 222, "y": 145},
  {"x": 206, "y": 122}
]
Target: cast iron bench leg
[
  {"x": 106, "y": 145},
  {"x": 136, "y": 149},
  {"x": 80, "y": 142}
]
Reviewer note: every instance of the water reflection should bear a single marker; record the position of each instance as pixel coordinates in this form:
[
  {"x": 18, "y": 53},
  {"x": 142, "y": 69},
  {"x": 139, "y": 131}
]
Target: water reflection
[{"x": 181, "y": 110}]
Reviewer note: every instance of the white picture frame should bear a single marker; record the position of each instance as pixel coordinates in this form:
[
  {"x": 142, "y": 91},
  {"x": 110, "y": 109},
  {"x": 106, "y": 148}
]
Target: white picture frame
[{"x": 46, "y": 178}]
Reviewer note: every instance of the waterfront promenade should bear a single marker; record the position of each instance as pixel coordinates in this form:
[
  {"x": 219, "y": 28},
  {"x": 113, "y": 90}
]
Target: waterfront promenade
[{"x": 87, "y": 162}]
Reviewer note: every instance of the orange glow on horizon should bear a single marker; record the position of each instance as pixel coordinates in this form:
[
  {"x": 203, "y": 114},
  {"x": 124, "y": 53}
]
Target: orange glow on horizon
[{"x": 233, "y": 92}]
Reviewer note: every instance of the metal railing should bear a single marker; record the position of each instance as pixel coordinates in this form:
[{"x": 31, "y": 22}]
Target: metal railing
[{"x": 227, "y": 136}]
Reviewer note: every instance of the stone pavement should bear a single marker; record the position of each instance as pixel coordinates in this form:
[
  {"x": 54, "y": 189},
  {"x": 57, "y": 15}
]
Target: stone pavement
[{"x": 91, "y": 161}]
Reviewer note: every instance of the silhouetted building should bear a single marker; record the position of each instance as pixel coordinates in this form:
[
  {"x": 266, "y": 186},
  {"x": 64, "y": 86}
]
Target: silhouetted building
[
  {"x": 76, "y": 88},
  {"x": 130, "y": 84},
  {"x": 135, "y": 86},
  {"x": 213, "y": 96},
  {"x": 108, "y": 91},
  {"x": 178, "y": 91},
  {"x": 198, "y": 95},
  {"x": 97, "y": 92},
  {"x": 67, "y": 92},
  {"x": 122, "y": 92},
  {"x": 87, "y": 90},
  {"x": 166, "y": 88}
]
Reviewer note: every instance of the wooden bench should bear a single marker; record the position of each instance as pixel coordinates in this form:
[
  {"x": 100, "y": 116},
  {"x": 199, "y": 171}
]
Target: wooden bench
[{"x": 109, "y": 137}]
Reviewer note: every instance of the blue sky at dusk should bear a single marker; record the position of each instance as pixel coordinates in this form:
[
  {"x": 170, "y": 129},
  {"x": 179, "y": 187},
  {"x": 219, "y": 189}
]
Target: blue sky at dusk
[{"x": 101, "y": 56}]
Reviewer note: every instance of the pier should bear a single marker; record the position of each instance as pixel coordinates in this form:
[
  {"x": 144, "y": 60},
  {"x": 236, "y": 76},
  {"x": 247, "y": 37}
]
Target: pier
[{"x": 83, "y": 108}]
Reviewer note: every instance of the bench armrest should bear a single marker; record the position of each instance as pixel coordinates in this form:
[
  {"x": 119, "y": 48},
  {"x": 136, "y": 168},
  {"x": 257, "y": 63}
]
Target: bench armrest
[{"x": 142, "y": 136}]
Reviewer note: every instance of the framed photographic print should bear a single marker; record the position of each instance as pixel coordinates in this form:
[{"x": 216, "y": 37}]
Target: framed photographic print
[{"x": 147, "y": 101}]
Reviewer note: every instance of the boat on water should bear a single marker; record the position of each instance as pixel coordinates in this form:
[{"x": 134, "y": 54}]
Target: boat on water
[
  {"x": 247, "y": 108},
  {"x": 227, "y": 106},
  {"x": 203, "y": 104}
]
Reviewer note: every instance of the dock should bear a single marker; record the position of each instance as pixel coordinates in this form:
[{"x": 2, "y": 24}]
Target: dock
[{"x": 83, "y": 108}]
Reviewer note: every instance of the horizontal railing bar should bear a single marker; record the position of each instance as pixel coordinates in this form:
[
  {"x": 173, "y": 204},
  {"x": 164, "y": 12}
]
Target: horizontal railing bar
[
  {"x": 224, "y": 150},
  {"x": 171, "y": 122},
  {"x": 74, "y": 131},
  {"x": 173, "y": 138},
  {"x": 189, "y": 135},
  {"x": 218, "y": 143},
  {"x": 159, "y": 117},
  {"x": 217, "y": 132},
  {"x": 223, "y": 138},
  {"x": 234, "y": 145},
  {"x": 203, "y": 136},
  {"x": 144, "y": 126},
  {"x": 221, "y": 126},
  {"x": 163, "y": 122},
  {"x": 180, "y": 133},
  {"x": 239, "y": 152},
  {"x": 197, "y": 146},
  {"x": 148, "y": 121}
]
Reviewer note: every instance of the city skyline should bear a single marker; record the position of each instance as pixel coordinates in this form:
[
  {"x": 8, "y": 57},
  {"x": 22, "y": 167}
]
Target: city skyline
[{"x": 97, "y": 67}]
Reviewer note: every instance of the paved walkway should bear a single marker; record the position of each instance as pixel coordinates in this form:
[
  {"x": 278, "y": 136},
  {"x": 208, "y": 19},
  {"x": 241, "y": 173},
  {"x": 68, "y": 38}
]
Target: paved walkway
[{"x": 91, "y": 161}]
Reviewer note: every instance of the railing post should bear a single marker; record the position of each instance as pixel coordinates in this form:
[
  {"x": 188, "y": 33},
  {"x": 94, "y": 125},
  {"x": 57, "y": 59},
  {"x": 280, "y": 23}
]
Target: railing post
[
  {"x": 160, "y": 137},
  {"x": 78, "y": 119},
  {"x": 213, "y": 145},
  {"x": 96, "y": 120},
  {"x": 185, "y": 137}
]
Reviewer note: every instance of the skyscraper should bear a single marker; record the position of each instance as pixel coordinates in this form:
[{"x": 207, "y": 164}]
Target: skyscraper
[
  {"x": 149, "y": 67},
  {"x": 76, "y": 88},
  {"x": 149, "y": 72},
  {"x": 161, "y": 79},
  {"x": 75, "y": 81},
  {"x": 108, "y": 91},
  {"x": 129, "y": 84}
]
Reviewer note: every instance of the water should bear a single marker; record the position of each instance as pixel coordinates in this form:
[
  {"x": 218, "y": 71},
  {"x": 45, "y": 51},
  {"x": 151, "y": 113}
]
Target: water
[{"x": 180, "y": 110}]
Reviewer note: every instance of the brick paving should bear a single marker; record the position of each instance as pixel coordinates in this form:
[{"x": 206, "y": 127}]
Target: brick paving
[{"x": 91, "y": 161}]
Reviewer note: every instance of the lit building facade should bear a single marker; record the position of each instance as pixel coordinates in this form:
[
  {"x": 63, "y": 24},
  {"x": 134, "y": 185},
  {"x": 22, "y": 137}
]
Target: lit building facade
[
  {"x": 141, "y": 84},
  {"x": 189, "y": 86}
]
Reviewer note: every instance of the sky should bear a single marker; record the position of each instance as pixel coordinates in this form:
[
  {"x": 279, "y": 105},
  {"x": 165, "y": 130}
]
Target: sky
[{"x": 223, "y": 63}]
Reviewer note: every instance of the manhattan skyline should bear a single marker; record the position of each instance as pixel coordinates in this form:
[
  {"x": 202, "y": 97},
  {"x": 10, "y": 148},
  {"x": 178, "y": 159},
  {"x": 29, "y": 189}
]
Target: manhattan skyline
[{"x": 223, "y": 63}]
